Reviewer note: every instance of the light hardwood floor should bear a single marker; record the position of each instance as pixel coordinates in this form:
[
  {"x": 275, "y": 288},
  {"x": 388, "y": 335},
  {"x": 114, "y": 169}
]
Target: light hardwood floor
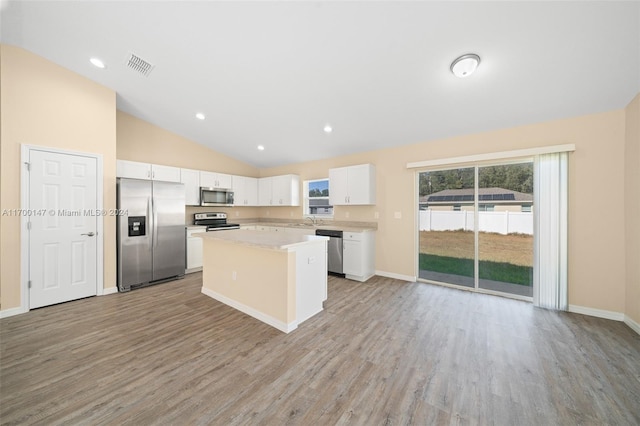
[{"x": 382, "y": 352}]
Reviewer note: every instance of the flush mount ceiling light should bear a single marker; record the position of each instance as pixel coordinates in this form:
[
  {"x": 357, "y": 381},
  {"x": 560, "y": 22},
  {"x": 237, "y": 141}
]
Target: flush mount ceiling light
[
  {"x": 465, "y": 65},
  {"x": 200, "y": 116},
  {"x": 97, "y": 63},
  {"x": 327, "y": 128},
  {"x": 260, "y": 147}
]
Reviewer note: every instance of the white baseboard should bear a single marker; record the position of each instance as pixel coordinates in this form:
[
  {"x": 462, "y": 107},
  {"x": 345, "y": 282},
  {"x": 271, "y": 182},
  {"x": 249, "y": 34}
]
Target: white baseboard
[
  {"x": 11, "y": 312},
  {"x": 396, "y": 276},
  {"x": 267, "y": 319},
  {"x": 599, "y": 313},
  {"x": 109, "y": 290},
  {"x": 631, "y": 323}
]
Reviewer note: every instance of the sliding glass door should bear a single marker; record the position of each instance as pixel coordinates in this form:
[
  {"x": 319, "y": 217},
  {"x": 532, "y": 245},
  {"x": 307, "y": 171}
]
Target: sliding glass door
[
  {"x": 505, "y": 228},
  {"x": 476, "y": 227},
  {"x": 447, "y": 247}
]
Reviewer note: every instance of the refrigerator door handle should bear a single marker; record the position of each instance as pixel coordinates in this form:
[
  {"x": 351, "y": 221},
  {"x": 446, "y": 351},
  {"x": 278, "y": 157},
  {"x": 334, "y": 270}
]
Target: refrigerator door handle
[
  {"x": 152, "y": 223},
  {"x": 155, "y": 223}
]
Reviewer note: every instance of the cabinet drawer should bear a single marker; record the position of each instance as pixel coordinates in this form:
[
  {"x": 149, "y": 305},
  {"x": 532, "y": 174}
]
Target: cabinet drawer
[
  {"x": 352, "y": 236},
  {"x": 192, "y": 231}
]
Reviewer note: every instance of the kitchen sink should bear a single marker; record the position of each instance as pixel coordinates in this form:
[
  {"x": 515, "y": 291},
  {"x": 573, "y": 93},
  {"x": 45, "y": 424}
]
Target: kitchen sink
[{"x": 303, "y": 224}]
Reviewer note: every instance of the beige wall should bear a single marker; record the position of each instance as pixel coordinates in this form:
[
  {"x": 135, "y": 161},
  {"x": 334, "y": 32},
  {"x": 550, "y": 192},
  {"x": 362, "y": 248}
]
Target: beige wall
[
  {"x": 596, "y": 252},
  {"x": 46, "y": 105},
  {"x": 632, "y": 209},
  {"x": 138, "y": 140}
]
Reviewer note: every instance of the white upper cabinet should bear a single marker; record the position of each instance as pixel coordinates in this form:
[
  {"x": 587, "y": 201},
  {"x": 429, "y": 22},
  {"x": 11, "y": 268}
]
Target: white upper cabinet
[
  {"x": 245, "y": 191},
  {"x": 215, "y": 180},
  {"x": 165, "y": 173},
  {"x": 133, "y": 169},
  {"x": 136, "y": 170},
  {"x": 285, "y": 190},
  {"x": 191, "y": 180},
  {"x": 352, "y": 185},
  {"x": 279, "y": 190},
  {"x": 264, "y": 191}
]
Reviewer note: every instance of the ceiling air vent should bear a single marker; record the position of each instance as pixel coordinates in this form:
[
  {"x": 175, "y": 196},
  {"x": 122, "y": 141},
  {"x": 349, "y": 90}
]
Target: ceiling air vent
[{"x": 139, "y": 65}]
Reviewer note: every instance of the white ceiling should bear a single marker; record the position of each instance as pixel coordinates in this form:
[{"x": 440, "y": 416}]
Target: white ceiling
[{"x": 273, "y": 73}]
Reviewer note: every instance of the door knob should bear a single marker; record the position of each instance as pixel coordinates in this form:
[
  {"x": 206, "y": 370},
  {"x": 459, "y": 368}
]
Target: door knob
[{"x": 91, "y": 234}]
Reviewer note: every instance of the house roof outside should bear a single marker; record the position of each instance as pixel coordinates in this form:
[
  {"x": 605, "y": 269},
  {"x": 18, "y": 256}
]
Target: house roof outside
[{"x": 486, "y": 195}]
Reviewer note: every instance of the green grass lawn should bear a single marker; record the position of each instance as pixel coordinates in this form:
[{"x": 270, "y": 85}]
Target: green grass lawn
[{"x": 495, "y": 271}]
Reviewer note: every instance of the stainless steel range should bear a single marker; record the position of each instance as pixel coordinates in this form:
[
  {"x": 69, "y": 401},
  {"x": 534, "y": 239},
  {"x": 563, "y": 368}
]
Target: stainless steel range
[{"x": 214, "y": 221}]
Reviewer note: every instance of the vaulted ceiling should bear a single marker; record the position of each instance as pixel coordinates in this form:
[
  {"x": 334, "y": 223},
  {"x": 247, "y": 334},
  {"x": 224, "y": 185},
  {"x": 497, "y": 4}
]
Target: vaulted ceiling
[{"x": 275, "y": 73}]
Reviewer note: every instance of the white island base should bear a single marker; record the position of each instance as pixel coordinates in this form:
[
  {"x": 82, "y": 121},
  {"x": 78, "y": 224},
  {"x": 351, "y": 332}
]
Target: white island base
[{"x": 278, "y": 279}]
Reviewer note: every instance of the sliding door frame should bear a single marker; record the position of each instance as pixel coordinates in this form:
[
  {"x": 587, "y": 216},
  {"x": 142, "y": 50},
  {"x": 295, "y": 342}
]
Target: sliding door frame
[{"x": 442, "y": 166}]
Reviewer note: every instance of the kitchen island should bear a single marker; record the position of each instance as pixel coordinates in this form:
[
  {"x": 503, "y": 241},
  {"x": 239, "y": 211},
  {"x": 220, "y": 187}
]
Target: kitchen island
[{"x": 277, "y": 278}]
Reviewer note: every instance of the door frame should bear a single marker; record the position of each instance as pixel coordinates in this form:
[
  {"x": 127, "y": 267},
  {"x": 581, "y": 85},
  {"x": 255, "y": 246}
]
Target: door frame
[
  {"x": 476, "y": 165},
  {"x": 24, "y": 233}
]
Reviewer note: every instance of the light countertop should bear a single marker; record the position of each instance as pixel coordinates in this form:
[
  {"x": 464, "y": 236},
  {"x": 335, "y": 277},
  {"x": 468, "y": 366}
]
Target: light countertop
[
  {"x": 268, "y": 240},
  {"x": 325, "y": 225}
]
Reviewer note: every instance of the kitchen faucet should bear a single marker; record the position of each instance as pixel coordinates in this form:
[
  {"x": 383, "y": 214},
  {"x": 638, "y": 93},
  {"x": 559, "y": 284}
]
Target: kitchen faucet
[{"x": 313, "y": 219}]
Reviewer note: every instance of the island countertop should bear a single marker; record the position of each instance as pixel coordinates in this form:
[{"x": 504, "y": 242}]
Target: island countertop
[{"x": 268, "y": 240}]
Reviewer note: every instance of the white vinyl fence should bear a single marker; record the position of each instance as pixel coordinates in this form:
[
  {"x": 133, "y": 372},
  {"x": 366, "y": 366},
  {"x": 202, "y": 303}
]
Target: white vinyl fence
[{"x": 498, "y": 222}]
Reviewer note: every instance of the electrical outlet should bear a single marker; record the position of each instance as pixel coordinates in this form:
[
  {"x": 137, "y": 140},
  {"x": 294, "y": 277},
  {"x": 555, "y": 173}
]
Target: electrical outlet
[
  {"x": 376, "y": 215},
  {"x": 346, "y": 214},
  {"x": 234, "y": 275},
  {"x": 237, "y": 214}
]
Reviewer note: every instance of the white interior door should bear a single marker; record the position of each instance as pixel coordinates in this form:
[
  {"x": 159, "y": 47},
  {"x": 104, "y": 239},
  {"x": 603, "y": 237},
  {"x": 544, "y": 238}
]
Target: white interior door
[{"x": 63, "y": 227}]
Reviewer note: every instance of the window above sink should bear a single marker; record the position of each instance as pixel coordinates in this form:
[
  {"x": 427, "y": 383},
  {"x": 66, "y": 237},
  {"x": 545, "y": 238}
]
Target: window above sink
[{"x": 316, "y": 199}]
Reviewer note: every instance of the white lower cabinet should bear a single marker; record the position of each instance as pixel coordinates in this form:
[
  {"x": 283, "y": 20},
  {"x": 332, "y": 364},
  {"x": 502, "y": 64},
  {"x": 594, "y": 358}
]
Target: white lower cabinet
[
  {"x": 194, "y": 249},
  {"x": 358, "y": 251}
]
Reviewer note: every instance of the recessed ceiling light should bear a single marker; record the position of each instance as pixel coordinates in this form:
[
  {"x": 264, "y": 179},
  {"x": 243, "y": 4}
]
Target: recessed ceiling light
[
  {"x": 328, "y": 128},
  {"x": 465, "y": 65},
  {"x": 200, "y": 116},
  {"x": 97, "y": 63},
  {"x": 260, "y": 147}
]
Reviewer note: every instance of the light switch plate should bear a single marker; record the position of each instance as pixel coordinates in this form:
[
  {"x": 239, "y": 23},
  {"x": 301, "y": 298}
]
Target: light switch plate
[{"x": 397, "y": 215}]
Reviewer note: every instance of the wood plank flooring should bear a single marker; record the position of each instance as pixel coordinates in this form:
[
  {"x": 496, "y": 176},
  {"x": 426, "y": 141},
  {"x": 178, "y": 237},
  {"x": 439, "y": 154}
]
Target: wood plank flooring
[{"x": 382, "y": 352}]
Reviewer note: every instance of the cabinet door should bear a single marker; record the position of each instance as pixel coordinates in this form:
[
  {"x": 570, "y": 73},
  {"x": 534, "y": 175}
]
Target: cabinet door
[
  {"x": 215, "y": 180},
  {"x": 280, "y": 191},
  {"x": 165, "y": 173},
  {"x": 361, "y": 184},
  {"x": 338, "y": 189},
  {"x": 191, "y": 180},
  {"x": 352, "y": 257},
  {"x": 225, "y": 181},
  {"x": 245, "y": 191},
  {"x": 207, "y": 179},
  {"x": 194, "y": 252},
  {"x": 251, "y": 191},
  {"x": 285, "y": 190},
  {"x": 133, "y": 169},
  {"x": 239, "y": 196},
  {"x": 264, "y": 191}
]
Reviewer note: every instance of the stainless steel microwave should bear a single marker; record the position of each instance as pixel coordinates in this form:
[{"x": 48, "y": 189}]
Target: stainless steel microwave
[{"x": 215, "y": 197}]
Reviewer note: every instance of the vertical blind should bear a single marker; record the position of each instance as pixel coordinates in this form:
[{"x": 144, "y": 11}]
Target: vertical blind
[{"x": 550, "y": 230}]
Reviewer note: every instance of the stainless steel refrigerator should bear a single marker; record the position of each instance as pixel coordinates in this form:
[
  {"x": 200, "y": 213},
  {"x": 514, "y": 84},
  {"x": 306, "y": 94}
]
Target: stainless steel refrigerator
[{"x": 151, "y": 232}]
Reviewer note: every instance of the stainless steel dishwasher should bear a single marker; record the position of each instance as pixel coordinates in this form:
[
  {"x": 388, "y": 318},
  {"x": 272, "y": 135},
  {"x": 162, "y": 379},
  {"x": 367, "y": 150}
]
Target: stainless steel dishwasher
[{"x": 334, "y": 250}]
